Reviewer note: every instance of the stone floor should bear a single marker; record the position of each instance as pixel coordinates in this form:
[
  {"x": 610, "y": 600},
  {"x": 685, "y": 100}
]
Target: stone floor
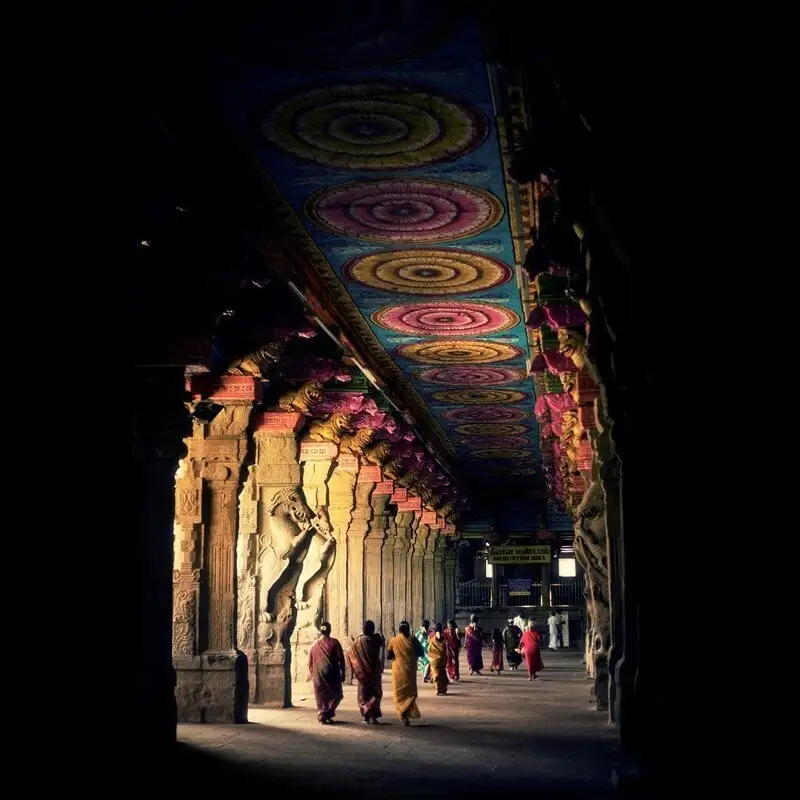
[{"x": 489, "y": 733}]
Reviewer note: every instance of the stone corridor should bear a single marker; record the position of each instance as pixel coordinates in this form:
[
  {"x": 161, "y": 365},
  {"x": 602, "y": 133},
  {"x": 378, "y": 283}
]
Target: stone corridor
[{"x": 489, "y": 733}]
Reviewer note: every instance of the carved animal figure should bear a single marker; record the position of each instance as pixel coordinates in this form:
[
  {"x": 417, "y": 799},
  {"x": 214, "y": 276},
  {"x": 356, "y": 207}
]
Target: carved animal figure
[
  {"x": 292, "y": 527},
  {"x": 573, "y": 346},
  {"x": 378, "y": 452},
  {"x": 409, "y": 478},
  {"x": 302, "y": 399},
  {"x": 392, "y": 467},
  {"x": 356, "y": 443},
  {"x": 258, "y": 362},
  {"x": 331, "y": 429}
]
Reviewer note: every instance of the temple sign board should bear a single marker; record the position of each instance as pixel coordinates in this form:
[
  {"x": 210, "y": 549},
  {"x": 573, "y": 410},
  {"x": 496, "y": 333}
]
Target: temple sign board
[{"x": 520, "y": 554}]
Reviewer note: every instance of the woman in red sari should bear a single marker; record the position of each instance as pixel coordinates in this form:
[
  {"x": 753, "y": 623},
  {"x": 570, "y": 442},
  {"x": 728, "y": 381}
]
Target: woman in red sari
[
  {"x": 530, "y": 647},
  {"x": 364, "y": 658},
  {"x": 473, "y": 644},
  {"x": 326, "y": 665},
  {"x": 453, "y": 643}
]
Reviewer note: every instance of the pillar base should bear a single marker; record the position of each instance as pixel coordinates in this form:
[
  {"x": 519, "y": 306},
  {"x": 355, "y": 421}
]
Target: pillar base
[
  {"x": 273, "y": 678},
  {"x": 211, "y": 687}
]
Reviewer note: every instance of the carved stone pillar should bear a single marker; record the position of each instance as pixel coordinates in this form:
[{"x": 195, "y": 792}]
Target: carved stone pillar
[
  {"x": 341, "y": 501},
  {"x": 450, "y": 558},
  {"x": 438, "y": 578},
  {"x": 247, "y": 570},
  {"x": 356, "y": 533},
  {"x": 317, "y": 459},
  {"x": 211, "y": 673},
  {"x": 388, "y": 621},
  {"x": 428, "y": 599},
  {"x": 402, "y": 545},
  {"x": 373, "y": 558},
  {"x": 417, "y": 557},
  {"x": 278, "y": 479}
]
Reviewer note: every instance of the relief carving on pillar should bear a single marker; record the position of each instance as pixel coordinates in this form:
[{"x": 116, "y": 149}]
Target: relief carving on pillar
[
  {"x": 184, "y": 616},
  {"x": 311, "y": 589},
  {"x": 276, "y": 462},
  {"x": 188, "y": 500},
  {"x": 231, "y": 421},
  {"x": 290, "y": 528},
  {"x": 591, "y": 552}
]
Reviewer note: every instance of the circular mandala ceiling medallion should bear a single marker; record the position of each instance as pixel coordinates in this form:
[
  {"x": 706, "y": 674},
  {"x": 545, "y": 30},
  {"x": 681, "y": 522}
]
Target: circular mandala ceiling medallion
[
  {"x": 458, "y": 351},
  {"x": 427, "y": 272},
  {"x": 491, "y": 429},
  {"x": 471, "y": 376},
  {"x": 404, "y": 211},
  {"x": 502, "y": 452},
  {"x": 373, "y": 127},
  {"x": 446, "y": 318},
  {"x": 495, "y": 441},
  {"x": 479, "y": 397},
  {"x": 491, "y": 414}
]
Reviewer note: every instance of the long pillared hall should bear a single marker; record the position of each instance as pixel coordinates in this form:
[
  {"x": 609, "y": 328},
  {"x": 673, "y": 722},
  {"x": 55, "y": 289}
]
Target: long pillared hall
[{"x": 394, "y": 322}]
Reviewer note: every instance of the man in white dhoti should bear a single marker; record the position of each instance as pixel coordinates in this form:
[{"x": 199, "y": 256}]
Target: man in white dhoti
[{"x": 553, "y": 622}]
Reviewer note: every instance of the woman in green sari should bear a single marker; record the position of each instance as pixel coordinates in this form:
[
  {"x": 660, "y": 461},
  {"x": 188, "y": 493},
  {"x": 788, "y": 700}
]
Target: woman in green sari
[{"x": 424, "y": 663}]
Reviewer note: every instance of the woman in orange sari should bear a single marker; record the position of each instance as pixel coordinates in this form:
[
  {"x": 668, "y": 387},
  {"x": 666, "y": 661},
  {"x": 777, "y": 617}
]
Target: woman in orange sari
[
  {"x": 364, "y": 658},
  {"x": 530, "y": 647},
  {"x": 437, "y": 653},
  {"x": 403, "y": 651},
  {"x": 453, "y": 642}
]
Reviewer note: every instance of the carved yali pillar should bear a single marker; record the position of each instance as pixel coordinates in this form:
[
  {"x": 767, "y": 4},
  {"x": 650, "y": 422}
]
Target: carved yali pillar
[
  {"x": 247, "y": 570},
  {"x": 417, "y": 583},
  {"x": 373, "y": 556},
  {"x": 438, "y": 578},
  {"x": 402, "y": 543},
  {"x": 282, "y": 544},
  {"x": 211, "y": 680},
  {"x": 428, "y": 598},
  {"x": 450, "y": 558},
  {"x": 368, "y": 476},
  {"x": 317, "y": 459},
  {"x": 341, "y": 501}
]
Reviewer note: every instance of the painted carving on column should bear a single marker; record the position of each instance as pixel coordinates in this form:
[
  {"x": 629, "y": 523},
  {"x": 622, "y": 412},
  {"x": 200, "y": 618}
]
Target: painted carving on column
[
  {"x": 572, "y": 345},
  {"x": 355, "y": 444},
  {"x": 291, "y": 528},
  {"x": 590, "y": 551},
  {"x": 303, "y": 399},
  {"x": 331, "y": 429},
  {"x": 257, "y": 363},
  {"x": 378, "y": 452}
]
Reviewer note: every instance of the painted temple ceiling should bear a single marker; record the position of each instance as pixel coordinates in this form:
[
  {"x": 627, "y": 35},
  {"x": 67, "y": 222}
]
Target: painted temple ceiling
[{"x": 387, "y": 149}]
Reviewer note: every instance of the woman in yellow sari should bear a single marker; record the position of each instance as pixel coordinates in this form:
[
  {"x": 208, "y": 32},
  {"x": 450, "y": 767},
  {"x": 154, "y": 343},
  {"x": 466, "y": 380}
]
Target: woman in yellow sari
[
  {"x": 403, "y": 651},
  {"x": 437, "y": 653}
]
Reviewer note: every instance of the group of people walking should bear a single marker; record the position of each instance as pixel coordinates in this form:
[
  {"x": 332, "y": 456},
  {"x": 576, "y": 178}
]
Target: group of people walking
[{"x": 432, "y": 653}]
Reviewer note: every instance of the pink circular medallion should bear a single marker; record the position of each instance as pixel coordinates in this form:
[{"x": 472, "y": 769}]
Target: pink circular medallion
[
  {"x": 485, "y": 414},
  {"x": 404, "y": 210},
  {"x": 471, "y": 376},
  {"x": 446, "y": 318}
]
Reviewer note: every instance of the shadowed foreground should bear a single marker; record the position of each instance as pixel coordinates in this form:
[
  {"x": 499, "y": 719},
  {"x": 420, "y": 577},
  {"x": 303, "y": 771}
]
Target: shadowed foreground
[{"x": 489, "y": 733}]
